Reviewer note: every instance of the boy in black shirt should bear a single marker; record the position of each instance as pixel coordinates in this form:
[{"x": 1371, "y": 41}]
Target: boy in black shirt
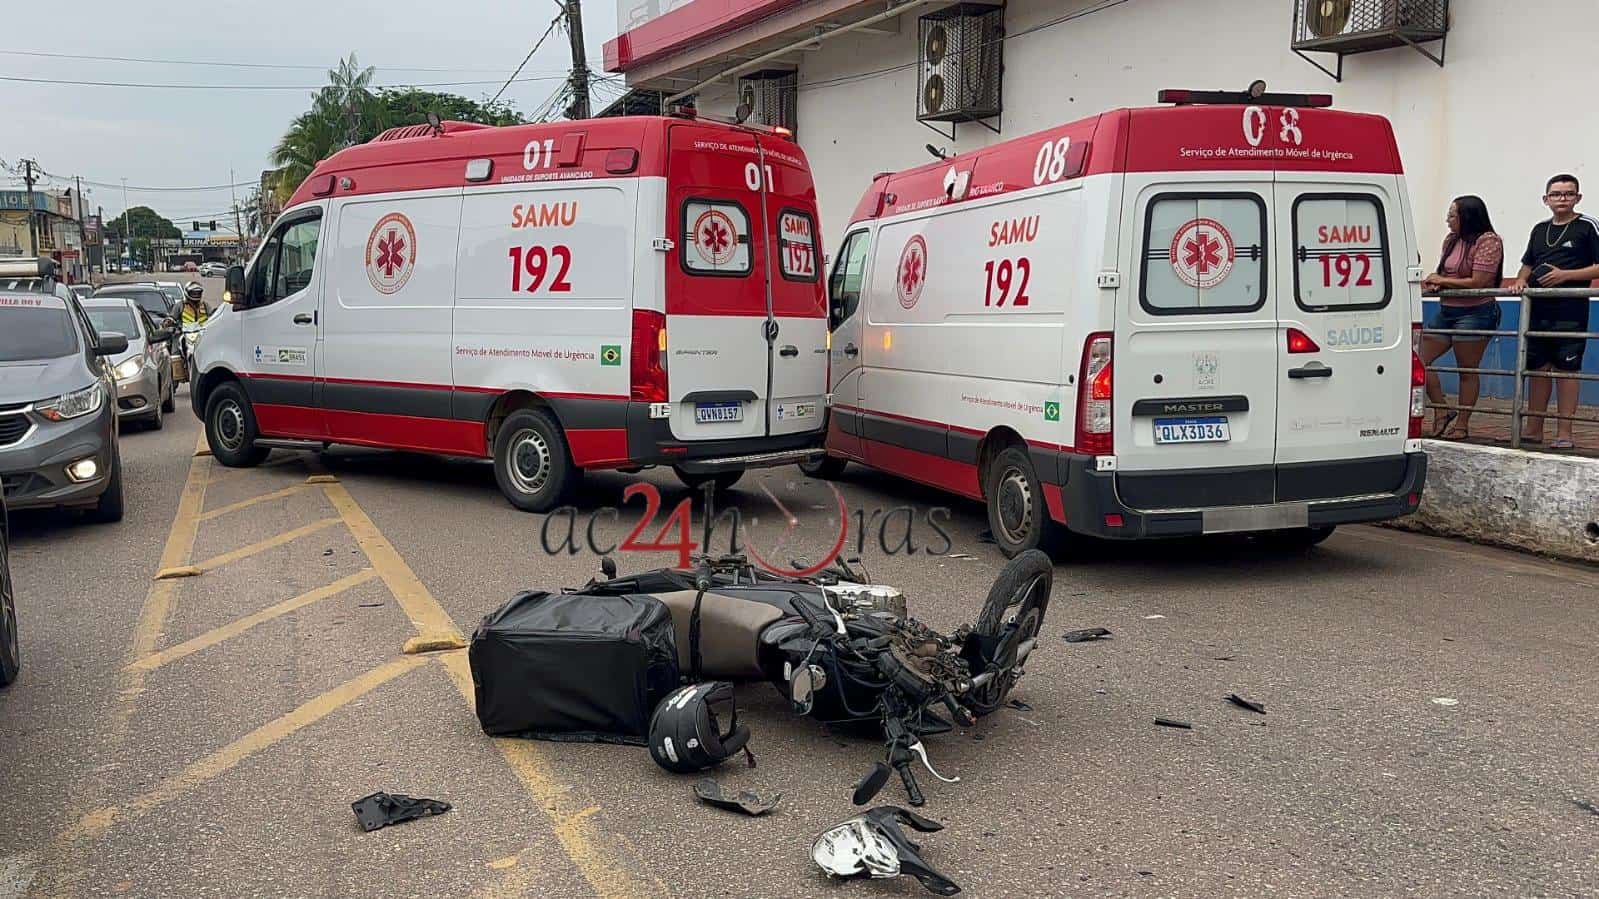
[{"x": 1562, "y": 252}]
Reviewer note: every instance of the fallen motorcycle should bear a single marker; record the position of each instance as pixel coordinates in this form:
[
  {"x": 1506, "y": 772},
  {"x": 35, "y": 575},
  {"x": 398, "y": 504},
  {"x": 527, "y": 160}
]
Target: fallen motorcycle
[{"x": 844, "y": 650}]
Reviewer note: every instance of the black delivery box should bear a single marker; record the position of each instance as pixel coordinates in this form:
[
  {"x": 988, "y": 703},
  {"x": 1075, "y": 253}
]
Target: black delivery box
[{"x": 565, "y": 666}]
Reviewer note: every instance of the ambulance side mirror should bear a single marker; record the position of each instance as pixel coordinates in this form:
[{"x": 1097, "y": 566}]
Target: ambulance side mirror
[{"x": 234, "y": 284}]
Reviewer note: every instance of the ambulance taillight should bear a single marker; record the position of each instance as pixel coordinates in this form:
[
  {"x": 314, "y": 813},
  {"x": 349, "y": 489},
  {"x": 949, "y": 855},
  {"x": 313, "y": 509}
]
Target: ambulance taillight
[
  {"x": 1418, "y": 383},
  {"x": 1095, "y": 409},
  {"x": 648, "y": 363}
]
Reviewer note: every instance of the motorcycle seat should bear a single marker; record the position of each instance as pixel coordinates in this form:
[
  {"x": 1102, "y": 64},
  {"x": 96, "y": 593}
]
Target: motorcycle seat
[{"x": 730, "y": 633}]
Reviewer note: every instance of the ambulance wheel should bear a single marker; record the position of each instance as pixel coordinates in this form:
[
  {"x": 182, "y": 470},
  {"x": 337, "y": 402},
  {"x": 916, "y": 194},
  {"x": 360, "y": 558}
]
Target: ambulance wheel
[
  {"x": 532, "y": 463},
  {"x": 696, "y": 481},
  {"x": 230, "y": 429},
  {"x": 824, "y": 468},
  {"x": 1017, "y": 516}
]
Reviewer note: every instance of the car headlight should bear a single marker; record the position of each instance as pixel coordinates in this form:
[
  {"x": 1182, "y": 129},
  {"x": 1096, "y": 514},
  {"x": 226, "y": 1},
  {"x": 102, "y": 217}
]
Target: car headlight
[
  {"x": 129, "y": 368},
  {"x": 72, "y": 405}
]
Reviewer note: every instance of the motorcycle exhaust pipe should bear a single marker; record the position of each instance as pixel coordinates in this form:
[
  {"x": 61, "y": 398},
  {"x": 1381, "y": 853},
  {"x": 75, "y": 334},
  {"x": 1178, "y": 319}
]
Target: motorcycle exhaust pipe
[{"x": 1024, "y": 650}]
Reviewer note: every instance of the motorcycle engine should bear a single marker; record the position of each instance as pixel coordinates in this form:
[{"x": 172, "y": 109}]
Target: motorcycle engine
[{"x": 928, "y": 657}]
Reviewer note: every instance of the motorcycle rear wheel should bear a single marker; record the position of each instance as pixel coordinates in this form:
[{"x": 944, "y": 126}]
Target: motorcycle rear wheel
[{"x": 1012, "y": 615}]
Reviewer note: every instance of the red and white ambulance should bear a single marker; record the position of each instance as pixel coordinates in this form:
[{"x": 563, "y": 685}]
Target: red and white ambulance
[
  {"x": 611, "y": 293},
  {"x": 1187, "y": 319}
]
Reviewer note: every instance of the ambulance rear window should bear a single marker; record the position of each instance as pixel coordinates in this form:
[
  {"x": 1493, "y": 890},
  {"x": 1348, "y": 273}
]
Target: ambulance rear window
[
  {"x": 1204, "y": 254},
  {"x": 796, "y": 245},
  {"x": 1340, "y": 253},
  {"x": 716, "y": 238}
]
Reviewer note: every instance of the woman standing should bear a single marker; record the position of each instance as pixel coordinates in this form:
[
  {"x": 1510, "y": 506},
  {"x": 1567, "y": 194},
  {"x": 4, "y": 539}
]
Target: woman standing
[{"x": 1473, "y": 257}]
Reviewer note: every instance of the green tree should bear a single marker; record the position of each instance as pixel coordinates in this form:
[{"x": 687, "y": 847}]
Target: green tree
[
  {"x": 146, "y": 224},
  {"x": 347, "y": 111}
]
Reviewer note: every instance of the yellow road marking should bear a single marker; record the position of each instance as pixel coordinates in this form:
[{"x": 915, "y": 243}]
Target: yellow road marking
[
  {"x": 247, "y": 503},
  {"x": 261, "y": 546},
  {"x": 225, "y": 759},
  {"x": 233, "y": 629},
  {"x": 573, "y": 827}
]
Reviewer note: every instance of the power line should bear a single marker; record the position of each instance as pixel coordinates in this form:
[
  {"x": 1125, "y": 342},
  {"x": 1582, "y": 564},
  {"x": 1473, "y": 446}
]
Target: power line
[
  {"x": 536, "y": 45},
  {"x": 224, "y": 64},
  {"x": 262, "y": 87}
]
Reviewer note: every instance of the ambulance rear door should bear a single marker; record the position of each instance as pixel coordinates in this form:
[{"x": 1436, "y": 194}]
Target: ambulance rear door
[
  {"x": 717, "y": 306},
  {"x": 1194, "y": 367},
  {"x": 1344, "y": 393},
  {"x": 799, "y": 299}
]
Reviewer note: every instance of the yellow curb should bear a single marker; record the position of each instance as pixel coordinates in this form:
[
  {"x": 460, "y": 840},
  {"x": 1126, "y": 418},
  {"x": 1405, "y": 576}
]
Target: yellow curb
[
  {"x": 321, "y": 479},
  {"x": 202, "y": 451},
  {"x": 434, "y": 643},
  {"x": 167, "y": 574}
]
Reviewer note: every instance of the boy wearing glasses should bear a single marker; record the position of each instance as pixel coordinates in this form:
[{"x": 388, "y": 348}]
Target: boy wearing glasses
[{"x": 1562, "y": 252}]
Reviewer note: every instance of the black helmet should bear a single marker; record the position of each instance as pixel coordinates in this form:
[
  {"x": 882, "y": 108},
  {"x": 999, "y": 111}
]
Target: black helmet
[
  {"x": 684, "y": 736},
  {"x": 194, "y": 289}
]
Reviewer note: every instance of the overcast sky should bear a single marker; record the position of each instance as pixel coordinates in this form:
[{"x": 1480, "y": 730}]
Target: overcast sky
[{"x": 181, "y": 138}]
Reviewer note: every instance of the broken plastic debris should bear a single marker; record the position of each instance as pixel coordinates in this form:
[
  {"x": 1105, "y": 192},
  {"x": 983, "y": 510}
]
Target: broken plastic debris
[
  {"x": 177, "y": 571},
  {"x": 1086, "y": 635},
  {"x": 750, "y": 803},
  {"x": 1249, "y": 704},
  {"x": 872, "y": 782},
  {"x": 382, "y": 809},
  {"x": 1018, "y": 705},
  {"x": 1173, "y": 722},
  {"x": 1445, "y": 701},
  {"x": 1153, "y": 617},
  {"x": 1585, "y": 805},
  {"x": 873, "y": 845}
]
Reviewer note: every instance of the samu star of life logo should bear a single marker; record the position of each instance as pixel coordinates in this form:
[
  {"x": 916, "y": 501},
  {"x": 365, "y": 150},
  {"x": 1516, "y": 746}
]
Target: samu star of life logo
[
  {"x": 1202, "y": 253},
  {"x": 912, "y": 274},
  {"x": 390, "y": 253},
  {"x": 714, "y": 237}
]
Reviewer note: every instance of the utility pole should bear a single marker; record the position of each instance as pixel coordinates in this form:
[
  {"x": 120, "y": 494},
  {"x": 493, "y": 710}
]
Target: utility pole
[
  {"x": 238, "y": 223},
  {"x": 127, "y": 223},
  {"x": 579, "y": 79},
  {"x": 33, "y": 215},
  {"x": 83, "y": 234}
]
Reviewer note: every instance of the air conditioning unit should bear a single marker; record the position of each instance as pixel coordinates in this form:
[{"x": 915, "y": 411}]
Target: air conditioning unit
[
  {"x": 1347, "y": 27},
  {"x": 770, "y": 98},
  {"x": 961, "y": 63}
]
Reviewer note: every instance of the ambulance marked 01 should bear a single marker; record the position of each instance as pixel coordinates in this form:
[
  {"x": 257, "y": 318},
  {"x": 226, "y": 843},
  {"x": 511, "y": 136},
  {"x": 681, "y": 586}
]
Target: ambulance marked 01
[
  {"x": 390, "y": 253},
  {"x": 912, "y": 271},
  {"x": 1202, "y": 253}
]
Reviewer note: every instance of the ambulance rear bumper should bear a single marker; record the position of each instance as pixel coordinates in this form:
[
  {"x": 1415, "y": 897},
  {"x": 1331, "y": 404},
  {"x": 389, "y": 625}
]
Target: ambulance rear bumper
[
  {"x": 650, "y": 442},
  {"x": 1093, "y": 504}
]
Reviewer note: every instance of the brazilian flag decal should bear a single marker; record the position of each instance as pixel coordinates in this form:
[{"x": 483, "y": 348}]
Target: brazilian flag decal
[{"x": 611, "y": 354}]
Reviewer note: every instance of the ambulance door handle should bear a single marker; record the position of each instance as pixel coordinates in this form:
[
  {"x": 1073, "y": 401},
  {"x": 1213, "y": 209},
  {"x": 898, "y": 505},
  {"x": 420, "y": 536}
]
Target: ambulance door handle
[
  {"x": 303, "y": 318},
  {"x": 1313, "y": 370},
  {"x": 788, "y": 349},
  {"x": 851, "y": 349}
]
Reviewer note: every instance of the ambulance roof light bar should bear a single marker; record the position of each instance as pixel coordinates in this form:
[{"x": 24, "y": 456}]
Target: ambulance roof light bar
[{"x": 1255, "y": 95}]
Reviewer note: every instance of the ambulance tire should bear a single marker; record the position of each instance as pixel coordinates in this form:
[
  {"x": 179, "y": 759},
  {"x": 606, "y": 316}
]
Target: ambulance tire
[
  {"x": 826, "y": 468},
  {"x": 1017, "y": 515},
  {"x": 724, "y": 480},
  {"x": 230, "y": 429},
  {"x": 532, "y": 463}
]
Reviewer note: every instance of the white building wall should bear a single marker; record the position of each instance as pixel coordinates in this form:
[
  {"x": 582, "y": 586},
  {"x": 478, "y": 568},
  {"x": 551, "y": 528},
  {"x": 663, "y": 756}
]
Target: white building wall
[{"x": 1508, "y": 110}]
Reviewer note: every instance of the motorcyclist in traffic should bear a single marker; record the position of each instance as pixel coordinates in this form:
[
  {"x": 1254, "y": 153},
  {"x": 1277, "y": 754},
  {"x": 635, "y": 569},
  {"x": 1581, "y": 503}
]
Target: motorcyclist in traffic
[{"x": 194, "y": 318}]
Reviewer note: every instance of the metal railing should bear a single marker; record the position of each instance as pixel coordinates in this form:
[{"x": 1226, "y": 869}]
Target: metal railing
[{"x": 1520, "y": 372}]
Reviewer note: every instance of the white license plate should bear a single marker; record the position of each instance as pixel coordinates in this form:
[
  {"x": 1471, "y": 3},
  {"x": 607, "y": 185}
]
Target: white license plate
[
  {"x": 713, "y": 412},
  {"x": 1209, "y": 429}
]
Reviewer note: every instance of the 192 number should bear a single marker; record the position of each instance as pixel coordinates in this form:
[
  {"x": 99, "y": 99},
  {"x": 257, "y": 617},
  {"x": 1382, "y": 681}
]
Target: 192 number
[
  {"x": 1002, "y": 276},
  {"x": 800, "y": 260},
  {"x": 535, "y": 262},
  {"x": 1343, "y": 266}
]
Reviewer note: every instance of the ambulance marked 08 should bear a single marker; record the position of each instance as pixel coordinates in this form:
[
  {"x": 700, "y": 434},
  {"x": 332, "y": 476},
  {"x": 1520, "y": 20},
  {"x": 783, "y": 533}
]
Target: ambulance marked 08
[{"x": 391, "y": 253}]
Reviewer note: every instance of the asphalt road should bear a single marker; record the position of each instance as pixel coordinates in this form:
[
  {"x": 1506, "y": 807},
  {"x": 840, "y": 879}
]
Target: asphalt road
[{"x": 1429, "y": 728}]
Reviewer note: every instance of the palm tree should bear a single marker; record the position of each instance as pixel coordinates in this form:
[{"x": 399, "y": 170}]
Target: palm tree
[{"x": 338, "y": 116}]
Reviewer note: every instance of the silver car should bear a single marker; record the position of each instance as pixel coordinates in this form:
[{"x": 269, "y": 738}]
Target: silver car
[{"x": 143, "y": 371}]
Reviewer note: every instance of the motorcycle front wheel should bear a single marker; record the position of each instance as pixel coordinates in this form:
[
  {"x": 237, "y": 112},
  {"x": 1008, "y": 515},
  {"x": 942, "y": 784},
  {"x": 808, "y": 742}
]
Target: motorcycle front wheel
[{"x": 1012, "y": 615}]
